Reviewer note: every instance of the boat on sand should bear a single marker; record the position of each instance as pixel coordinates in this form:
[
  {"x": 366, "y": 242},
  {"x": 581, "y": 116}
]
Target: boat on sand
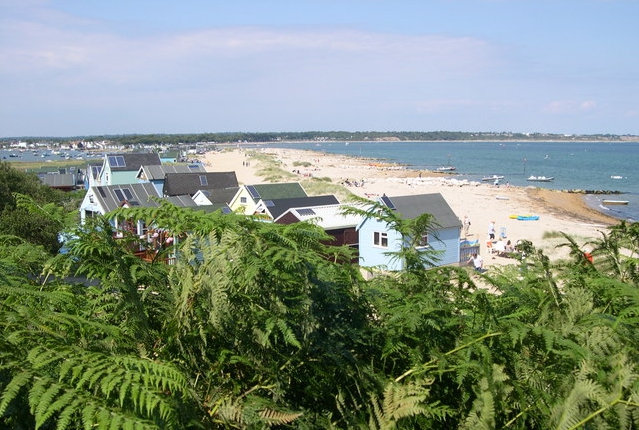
[
  {"x": 528, "y": 217},
  {"x": 524, "y": 217}
]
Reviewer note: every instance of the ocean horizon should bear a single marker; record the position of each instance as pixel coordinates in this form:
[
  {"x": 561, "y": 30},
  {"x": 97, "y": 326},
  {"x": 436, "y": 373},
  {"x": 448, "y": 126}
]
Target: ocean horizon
[{"x": 608, "y": 167}]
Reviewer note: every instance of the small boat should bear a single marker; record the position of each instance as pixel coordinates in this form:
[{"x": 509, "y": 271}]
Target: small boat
[
  {"x": 615, "y": 202},
  {"x": 616, "y": 177},
  {"x": 541, "y": 178},
  {"x": 492, "y": 178},
  {"x": 446, "y": 168},
  {"x": 523, "y": 216},
  {"x": 527, "y": 217}
]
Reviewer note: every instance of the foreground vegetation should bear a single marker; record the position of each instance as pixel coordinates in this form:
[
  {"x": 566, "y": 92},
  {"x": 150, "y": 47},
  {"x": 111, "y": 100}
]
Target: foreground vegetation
[{"x": 261, "y": 325}]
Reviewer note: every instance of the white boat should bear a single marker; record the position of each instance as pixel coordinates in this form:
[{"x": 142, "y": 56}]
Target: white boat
[
  {"x": 614, "y": 202},
  {"x": 446, "y": 168},
  {"x": 492, "y": 178},
  {"x": 541, "y": 178},
  {"x": 616, "y": 177}
]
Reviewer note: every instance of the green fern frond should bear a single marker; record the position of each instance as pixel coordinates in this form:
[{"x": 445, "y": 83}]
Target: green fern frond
[
  {"x": 482, "y": 414},
  {"x": 273, "y": 417},
  {"x": 11, "y": 390}
]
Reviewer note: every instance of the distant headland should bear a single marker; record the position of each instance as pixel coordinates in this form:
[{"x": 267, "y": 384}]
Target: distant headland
[{"x": 344, "y": 136}]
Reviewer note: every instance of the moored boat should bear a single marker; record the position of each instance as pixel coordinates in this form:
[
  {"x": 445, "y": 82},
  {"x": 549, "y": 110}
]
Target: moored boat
[
  {"x": 541, "y": 178},
  {"x": 446, "y": 168},
  {"x": 614, "y": 202},
  {"x": 492, "y": 178}
]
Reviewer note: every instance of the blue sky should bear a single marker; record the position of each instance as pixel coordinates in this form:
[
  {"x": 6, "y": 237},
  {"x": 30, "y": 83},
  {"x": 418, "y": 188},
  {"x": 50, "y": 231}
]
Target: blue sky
[{"x": 90, "y": 67}]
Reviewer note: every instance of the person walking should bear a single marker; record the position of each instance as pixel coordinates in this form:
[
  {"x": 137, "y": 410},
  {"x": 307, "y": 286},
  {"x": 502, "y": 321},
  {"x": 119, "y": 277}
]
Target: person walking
[
  {"x": 466, "y": 225},
  {"x": 491, "y": 230}
]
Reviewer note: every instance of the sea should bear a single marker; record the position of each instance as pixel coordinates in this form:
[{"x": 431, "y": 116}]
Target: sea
[{"x": 595, "y": 166}]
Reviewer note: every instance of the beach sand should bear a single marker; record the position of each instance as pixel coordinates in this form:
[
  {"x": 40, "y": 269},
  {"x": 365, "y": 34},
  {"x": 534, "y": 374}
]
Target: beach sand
[{"x": 481, "y": 202}]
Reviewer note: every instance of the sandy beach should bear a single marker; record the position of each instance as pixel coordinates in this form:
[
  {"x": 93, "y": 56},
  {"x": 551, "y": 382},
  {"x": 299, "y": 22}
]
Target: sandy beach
[{"x": 481, "y": 202}]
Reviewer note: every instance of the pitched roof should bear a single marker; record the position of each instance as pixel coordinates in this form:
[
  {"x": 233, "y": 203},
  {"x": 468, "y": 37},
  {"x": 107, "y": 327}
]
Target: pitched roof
[
  {"x": 112, "y": 197},
  {"x": 284, "y": 190},
  {"x": 157, "y": 172},
  {"x": 222, "y": 196},
  {"x": 95, "y": 169},
  {"x": 181, "y": 201},
  {"x": 187, "y": 202},
  {"x": 58, "y": 180},
  {"x": 329, "y": 217},
  {"x": 411, "y": 207},
  {"x": 132, "y": 161},
  {"x": 190, "y": 183},
  {"x": 278, "y": 206}
]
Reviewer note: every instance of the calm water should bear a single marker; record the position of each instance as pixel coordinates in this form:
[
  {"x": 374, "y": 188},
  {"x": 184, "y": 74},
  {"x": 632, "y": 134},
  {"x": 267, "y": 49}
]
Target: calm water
[{"x": 582, "y": 165}]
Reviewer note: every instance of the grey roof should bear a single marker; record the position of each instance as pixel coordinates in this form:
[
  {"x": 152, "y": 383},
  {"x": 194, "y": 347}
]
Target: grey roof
[
  {"x": 155, "y": 172},
  {"x": 411, "y": 207},
  {"x": 190, "y": 183},
  {"x": 58, "y": 180},
  {"x": 212, "y": 208},
  {"x": 112, "y": 197},
  {"x": 182, "y": 201},
  {"x": 134, "y": 160},
  {"x": 222, "y": 196},
  {"x": 278, "y": 206},
  {"x": 187, "y": 202}
]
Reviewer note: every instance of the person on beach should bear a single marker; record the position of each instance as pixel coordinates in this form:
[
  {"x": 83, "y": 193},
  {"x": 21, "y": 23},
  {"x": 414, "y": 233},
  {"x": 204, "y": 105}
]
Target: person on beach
[
  {"x": 500, "y": 247},
  {"x": 491, "y": 230},
  {"x": 477, "y": 262},
  {"x": 466, "y": 225}
]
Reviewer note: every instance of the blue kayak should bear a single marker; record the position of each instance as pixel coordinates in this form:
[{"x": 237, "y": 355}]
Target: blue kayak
[{"x": 528, "y": 217}]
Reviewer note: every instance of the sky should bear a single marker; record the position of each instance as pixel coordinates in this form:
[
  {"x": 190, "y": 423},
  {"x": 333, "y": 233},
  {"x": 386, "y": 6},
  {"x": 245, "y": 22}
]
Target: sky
[{"x": 92, "y": 67}]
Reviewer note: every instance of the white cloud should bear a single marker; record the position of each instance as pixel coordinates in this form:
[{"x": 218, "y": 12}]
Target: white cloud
[{"x": 569, "y": 106}]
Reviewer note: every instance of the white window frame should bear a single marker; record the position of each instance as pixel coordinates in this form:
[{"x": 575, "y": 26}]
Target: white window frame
[
  {"x": 423, "y": 241},
  {"x": 380, "y": 239}
]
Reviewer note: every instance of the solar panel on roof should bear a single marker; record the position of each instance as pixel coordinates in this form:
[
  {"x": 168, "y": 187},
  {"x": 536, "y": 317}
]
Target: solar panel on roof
[
  {"x": 203, "y": 180},
  {"x": 127, "y": 193},
  {"x": 252, "y": 191},
  {"x": 269, "y": 203},
  {"x": 117, "y": 161},
  {"x": 388, "y": 202},
  {"x": 306, "y": 211},
  {"x": 120, "y": 196}
]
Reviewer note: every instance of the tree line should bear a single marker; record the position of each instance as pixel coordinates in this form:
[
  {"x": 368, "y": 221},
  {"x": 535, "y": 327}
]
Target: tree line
[{"x": 353, "y": 136}]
